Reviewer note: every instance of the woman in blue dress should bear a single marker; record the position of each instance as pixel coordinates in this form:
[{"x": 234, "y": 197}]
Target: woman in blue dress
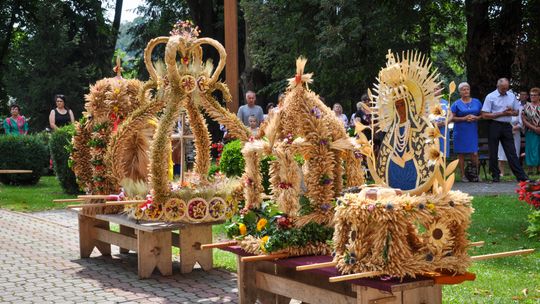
[{"x": 465, "y": 115}]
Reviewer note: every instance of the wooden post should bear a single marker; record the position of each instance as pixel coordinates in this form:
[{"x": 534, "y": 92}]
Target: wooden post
[
  {"x": 231, "y": 47},
  {"x": 191, "y": 238}
]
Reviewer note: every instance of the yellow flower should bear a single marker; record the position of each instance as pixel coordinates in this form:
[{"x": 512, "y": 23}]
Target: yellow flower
[
  {"x": 264, "y": 240},
  {"x": 115, "y": 108},
  {"x": 433, "y": 155},
  {"x": 261, "y": 224},
  {"x": 242, "y": 228},
  {"x": 407, "y": 207},
  {"x": 432, "y": 134},
  {"x": 116, "y": 91},
  {"x": 430, "y": 206}
]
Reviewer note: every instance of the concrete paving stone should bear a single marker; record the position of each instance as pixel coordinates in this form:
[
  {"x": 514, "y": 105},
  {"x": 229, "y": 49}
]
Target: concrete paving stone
[{"x": 51, "y": 268}]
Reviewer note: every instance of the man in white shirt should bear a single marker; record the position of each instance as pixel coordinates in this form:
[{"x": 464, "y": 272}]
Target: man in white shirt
[
  {"x": 249, "y": 109},
  {"x": 499, "y": 106}
]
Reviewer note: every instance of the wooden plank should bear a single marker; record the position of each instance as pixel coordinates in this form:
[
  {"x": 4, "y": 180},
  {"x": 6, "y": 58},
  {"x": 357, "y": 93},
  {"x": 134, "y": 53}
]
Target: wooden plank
[
  {"x": 354, "y": 276},
  {"x": 316, "y": 266},
  {"x": 191, "y": 239},
  {"x": 412, "y": 285},
  {"x": 230, "y": 11},
  {"x": 266, "y": 257},
  {"x": 87, "y": 236},
  {"x": 154, "y": 250},
  {"x": 129, "y": 232},
  {"x": 114, "y": 203},
  {"x": 147, "y": 226},
  {"x": 111, "y": 237},
  {"x": 501, "y": 254},
  {"x": 428, "y": 295},
  {"x": 219, "y": 245},
  {"x": 299, "y": 291},
  {"x": 69, "y": 200},
  {"x": 13, "y": 171},
  {"x": 367, "y": 295}
]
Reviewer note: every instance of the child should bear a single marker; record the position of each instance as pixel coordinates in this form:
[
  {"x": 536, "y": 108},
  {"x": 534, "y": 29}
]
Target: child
[{"x": 253, "y": 125}]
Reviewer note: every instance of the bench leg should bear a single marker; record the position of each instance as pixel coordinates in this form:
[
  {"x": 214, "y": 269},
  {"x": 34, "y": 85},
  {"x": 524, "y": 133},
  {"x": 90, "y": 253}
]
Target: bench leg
[
  {"x": 154, "y": 250},
  {"x": 126, "y": 231},
  {"x": 191, "y": 238},
  {"x": 248, "y": 293},
  {"x": 87, "y": 240}
]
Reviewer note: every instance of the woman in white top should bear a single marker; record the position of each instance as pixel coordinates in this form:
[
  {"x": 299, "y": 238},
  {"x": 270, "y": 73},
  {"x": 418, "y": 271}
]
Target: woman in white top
[{"x": 338, "y": 109}]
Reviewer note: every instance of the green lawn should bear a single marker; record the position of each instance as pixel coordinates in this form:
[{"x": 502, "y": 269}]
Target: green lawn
[
  {"x": 33, "y": 198},
  {"x": 499, "y": 221}
]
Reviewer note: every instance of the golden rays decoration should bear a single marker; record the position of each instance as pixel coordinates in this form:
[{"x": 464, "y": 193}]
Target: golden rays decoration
[{"x": 405, "y": 94}]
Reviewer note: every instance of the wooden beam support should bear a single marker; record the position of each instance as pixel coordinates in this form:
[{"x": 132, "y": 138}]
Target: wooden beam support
[
  {"x": 230, "y": 8},
  {"x": 69, "y": 200}
]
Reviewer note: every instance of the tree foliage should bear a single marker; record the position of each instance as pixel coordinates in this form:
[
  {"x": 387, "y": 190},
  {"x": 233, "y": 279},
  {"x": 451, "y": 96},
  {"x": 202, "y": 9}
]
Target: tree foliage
[
  {"x": 53, "y": 47},
  {"x": 346, "y": 41}
]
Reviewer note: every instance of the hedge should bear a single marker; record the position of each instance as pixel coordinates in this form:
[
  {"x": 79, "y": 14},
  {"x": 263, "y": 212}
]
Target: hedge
[
  {"x": 60, "y": 148},
  {"x": 232, "y": 163},
  {"x": 26, "y": 152}
]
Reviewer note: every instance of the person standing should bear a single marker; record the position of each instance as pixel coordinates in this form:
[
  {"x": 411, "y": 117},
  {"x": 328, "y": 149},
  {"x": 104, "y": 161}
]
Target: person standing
[
  {"x": 338, "y": 110},
  {"x": 465, "y": 115},
  {"x": 60, "y": 115},
  {"x": 16, "y": 124},
  {"x": 531, "y": 119},
  {"x": 499, "y": 106},
  {"x": 523, "y": 97},
  {"x": 517, "y": 125},
  {"x": 249, "y": 109}
]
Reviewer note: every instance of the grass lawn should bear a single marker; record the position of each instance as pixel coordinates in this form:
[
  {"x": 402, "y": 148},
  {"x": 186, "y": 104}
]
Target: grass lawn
[
  {"x": 500, "y": 221},
  {"x": 33, "y": 198}
]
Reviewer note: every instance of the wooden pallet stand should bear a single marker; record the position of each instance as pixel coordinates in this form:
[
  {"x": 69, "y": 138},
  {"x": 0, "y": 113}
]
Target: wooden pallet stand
[
  {"x": 152, "y": 241},
  {"x": 278, "y": 281}
]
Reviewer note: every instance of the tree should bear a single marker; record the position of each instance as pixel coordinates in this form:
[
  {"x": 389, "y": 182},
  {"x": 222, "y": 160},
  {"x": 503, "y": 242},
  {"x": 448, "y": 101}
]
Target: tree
[{"x": 56, "y": 47}]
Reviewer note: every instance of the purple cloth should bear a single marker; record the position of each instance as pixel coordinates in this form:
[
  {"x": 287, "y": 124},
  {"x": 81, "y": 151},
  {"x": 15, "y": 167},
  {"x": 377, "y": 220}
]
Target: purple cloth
[{"x": 377, "y": 283}]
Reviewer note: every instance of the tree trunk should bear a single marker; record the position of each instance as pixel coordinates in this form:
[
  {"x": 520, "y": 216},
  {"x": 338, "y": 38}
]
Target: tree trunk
[
  {"x": 116, "y": 23},
  {"x": 7, "y": 41},
  {"x": 479, "y": 50}
]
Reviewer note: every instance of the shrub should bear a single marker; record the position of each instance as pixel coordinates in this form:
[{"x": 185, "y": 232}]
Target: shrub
[
  {"x": 534, "y": 224},
  {"x": 45, "y": 137},
  {"x": 60, "y": 147},
  {"x": 232, "y": 162},
  {"x": 25, "y": 153}
]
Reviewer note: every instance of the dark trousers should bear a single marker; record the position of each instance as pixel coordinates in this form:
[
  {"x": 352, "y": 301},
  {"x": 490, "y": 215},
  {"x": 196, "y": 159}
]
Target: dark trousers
[{"x": 502, "y": 131}]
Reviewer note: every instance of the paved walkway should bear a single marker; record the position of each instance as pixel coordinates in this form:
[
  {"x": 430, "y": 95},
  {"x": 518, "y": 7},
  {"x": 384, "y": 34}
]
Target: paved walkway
[
  {"x": 39, "y": 263},
  {"x": 484, "y": 188}
]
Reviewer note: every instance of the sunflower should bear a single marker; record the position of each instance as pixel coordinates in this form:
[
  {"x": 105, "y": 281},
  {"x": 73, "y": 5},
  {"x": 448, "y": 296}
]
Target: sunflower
[
  {"x": 433, "y": 155},
  {"x": 438, "y": 236},
  {"x": 261, "y": 224},
  {"x": 432, "y": 133}
]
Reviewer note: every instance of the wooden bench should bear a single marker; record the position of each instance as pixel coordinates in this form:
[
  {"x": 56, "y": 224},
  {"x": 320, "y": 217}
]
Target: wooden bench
[
  {"x": 152, "y": 241},
  {"x": 279, "y": 282}
]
